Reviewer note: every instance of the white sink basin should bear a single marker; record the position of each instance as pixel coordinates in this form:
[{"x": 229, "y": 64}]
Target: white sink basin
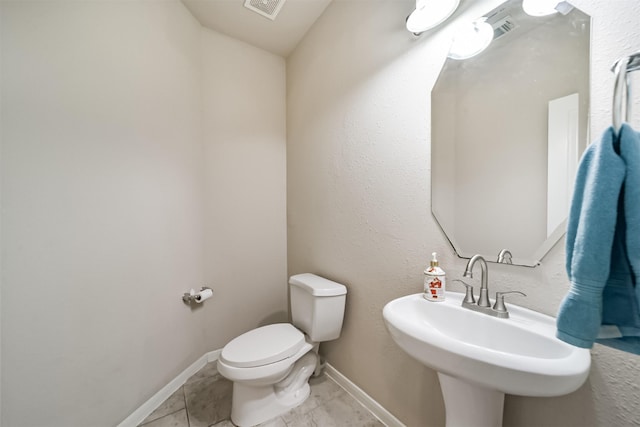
[{"x": 519, "y": 355}]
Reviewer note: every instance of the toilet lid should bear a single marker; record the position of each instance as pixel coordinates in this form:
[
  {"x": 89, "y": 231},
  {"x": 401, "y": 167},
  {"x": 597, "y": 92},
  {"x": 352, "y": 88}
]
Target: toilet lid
[{"x": 262, "y": 346}]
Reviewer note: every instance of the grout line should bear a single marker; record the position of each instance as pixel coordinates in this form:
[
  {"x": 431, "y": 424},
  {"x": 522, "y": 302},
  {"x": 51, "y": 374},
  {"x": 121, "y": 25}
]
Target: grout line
[
  {"x": 164, "y": 416},
  {"x": 186, "y": 409}
]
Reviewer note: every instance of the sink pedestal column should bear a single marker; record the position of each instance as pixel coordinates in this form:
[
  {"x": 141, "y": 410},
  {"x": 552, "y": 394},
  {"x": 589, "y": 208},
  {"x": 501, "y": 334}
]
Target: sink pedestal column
[{"x": 467, "y": 404}]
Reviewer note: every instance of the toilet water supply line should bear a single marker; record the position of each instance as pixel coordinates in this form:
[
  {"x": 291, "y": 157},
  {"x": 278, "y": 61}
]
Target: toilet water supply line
[
  {"x": 321, "y": 363},
  {"x": 192, "y": 296}
]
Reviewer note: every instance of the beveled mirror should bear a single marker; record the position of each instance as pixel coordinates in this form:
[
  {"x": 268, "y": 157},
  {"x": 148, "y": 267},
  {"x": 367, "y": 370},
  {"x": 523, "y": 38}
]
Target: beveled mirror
[{"x": 508, "y": 128}]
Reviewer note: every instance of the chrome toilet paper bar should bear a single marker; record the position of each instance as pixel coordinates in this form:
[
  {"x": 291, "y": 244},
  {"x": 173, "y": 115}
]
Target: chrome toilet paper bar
[{"x": 197, "y": 297}]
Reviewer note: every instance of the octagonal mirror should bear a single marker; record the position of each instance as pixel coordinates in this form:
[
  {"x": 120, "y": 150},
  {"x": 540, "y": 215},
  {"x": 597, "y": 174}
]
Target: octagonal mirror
[{"x": 508, "y": 128}]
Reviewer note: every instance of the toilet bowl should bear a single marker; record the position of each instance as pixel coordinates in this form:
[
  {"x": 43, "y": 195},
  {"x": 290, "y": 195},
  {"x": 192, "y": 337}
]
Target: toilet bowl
[
  {"x": 270, "y": 366},
  {"x": 264, "y": 355}
]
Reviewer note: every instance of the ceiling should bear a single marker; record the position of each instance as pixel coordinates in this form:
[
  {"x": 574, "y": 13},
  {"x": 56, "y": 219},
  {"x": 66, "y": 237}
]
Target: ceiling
[{"x": 280, "y": 36}]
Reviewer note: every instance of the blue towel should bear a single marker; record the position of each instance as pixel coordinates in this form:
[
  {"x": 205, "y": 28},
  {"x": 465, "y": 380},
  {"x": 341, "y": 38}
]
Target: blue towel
[{"x": 603, "y": 247}]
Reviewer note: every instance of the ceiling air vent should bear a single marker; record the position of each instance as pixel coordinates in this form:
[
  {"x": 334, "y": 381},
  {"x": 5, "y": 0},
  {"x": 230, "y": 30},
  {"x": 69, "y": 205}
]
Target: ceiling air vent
[
  {"x": 503, "y": 26},
  {"x": 267, "y": 8}
]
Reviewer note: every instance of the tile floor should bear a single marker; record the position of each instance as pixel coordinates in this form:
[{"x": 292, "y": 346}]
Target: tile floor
[{"x": 205, "y": 400}]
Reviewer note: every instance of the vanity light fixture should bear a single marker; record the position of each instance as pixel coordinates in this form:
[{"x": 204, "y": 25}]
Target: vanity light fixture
[
  {"x": 540, "y": 7},
  {"x": 429, "y": 14},
  {"x": 471, "y": 39}
]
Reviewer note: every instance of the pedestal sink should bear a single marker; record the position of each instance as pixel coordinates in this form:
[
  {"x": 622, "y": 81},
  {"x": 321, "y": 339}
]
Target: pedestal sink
[{"x": 479, "y": 358}]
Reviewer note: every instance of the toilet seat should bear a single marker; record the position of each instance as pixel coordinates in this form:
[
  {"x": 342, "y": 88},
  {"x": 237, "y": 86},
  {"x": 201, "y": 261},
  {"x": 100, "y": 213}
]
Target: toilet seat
[{"x": 263, "y": 346}]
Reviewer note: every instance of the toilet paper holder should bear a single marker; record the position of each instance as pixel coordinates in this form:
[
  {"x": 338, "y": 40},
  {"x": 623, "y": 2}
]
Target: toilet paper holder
[{"x": 193, "y": 296}]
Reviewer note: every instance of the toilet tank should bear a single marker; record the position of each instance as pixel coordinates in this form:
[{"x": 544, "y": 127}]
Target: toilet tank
[{"x": 317, "y": 306}]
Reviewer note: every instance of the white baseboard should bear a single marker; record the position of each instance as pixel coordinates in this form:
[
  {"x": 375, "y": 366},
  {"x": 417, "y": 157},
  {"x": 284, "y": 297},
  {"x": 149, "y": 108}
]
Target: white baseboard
[
  {"x": 367, "y": 401},
  {"x": 163, "y": 394},
  {"x": 213, "y": 356}
]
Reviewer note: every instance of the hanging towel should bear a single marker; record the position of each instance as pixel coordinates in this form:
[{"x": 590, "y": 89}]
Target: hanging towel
[{"x": 603, "y": 247}]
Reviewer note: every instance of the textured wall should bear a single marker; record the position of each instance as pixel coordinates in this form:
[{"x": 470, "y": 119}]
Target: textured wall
[
  {"x": 141, "y": 156},
  {"x": 358, "y": 170},
  {"x": 102, "y": 206},
  {"x": 244, "y": 124}
]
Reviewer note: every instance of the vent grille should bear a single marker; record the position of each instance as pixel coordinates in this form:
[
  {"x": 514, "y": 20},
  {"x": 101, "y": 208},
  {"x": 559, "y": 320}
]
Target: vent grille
[
  {"x": 503, "y": 26},
  {"x": 267, "y": 8}
]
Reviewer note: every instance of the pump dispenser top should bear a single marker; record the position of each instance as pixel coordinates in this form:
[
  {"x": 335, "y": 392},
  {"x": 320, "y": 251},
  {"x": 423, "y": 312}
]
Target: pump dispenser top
[{"x": 434, "y": 259}]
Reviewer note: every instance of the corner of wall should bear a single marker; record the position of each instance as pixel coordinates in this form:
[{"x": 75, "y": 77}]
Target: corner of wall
[{"x": 1, "y": 251}]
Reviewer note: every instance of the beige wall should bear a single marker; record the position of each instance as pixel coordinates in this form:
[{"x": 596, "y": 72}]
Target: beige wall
[
  {"x": 102, "y": 206},
  {"x": 124, "y": 184},
  {"x": 244, "y": 122},
  {"x": 133, "y": 159},
  {"x": 358, "y": 201}
]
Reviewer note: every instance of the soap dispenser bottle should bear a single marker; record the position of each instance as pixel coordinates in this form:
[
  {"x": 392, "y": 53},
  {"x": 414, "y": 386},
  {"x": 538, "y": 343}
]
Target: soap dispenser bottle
[{"x": 434, "y": 281}]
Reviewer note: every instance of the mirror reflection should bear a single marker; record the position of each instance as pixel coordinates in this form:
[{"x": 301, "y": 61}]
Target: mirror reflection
[{"x": 508, "y": 128}]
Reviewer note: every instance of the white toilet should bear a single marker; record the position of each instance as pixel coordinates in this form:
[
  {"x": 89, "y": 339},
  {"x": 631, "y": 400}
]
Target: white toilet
[{"x": 270, "y": 366}]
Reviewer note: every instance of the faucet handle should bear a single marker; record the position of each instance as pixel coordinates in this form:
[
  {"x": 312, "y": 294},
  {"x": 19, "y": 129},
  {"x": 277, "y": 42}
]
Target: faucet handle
[
  {"x": 468, "y": 297},
  {"x": 499, "y": 305},
  {"x": 505, "y": 257}
]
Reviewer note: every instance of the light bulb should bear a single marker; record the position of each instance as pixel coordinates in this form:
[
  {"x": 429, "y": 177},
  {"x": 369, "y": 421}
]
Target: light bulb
[
  {"x": 471, "y": 39},
  {"x": 430, "y": 13},
  {"x": 539, "y": 7}
]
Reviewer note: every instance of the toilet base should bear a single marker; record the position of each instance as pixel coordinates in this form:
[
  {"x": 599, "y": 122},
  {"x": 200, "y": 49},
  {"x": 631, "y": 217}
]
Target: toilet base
[{"x": 252, "y": 405}]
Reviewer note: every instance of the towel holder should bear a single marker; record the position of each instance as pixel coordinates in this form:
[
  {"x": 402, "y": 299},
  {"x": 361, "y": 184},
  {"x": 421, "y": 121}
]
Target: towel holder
[{"x": 622, "y": 89}]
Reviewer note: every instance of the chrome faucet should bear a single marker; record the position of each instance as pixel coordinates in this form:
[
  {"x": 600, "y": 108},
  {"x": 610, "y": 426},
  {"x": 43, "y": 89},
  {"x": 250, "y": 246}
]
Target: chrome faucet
[
  {"x": 484, "y": 304},
  {"x": 483, "y": 300}
]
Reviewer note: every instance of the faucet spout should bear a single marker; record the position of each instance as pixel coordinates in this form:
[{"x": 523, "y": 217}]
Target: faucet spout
[{"x": 483, "y": 301}]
